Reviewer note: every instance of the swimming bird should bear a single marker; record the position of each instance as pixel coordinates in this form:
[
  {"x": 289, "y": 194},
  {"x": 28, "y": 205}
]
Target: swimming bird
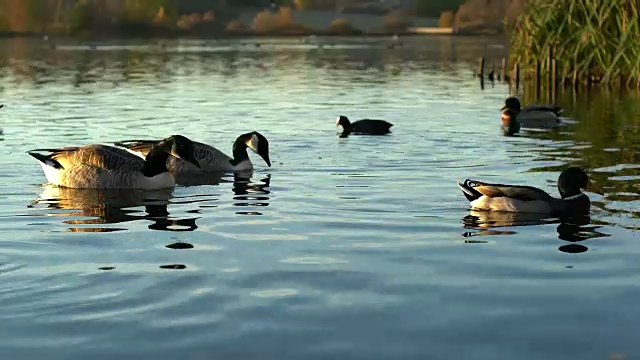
[
  {"x": 364, "y": 126},
  {"x": 516, "y": 198},
  {"x": 395, "y": 42},
  {"x": 210, "y": 158},
  {"x": 531, "y": 116},
  {"x": 99, "y": 166}
]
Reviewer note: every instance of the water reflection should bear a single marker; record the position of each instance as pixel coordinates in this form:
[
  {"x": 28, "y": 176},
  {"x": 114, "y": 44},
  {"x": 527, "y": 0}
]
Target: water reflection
[
  {"x": 573, "y": 230},
  {"x": 165, "y": 267},
  {"x": 477, "y": 219},
  {"x": 120, "y": 62},
  {"x": 111, "y": 207},
  {"x": 251, "y": 194},
  {"x": 602, "y": 140},
  {"x": 205, "y": 178}
]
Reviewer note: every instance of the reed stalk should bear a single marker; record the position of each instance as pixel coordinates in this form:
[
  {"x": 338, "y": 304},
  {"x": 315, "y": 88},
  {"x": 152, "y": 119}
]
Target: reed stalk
[{"x": 592, "y": 39}]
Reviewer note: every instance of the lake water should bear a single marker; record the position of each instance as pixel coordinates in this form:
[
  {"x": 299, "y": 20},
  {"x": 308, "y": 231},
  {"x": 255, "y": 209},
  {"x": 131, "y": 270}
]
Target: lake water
[{"x": 358, "y": 247}]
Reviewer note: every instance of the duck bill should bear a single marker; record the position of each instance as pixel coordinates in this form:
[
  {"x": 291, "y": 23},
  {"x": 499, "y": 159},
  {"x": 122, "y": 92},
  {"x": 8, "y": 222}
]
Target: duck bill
[{"x": 504, "y": 108}]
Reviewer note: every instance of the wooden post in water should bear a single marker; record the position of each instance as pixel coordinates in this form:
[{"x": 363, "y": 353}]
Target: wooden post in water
[
  {"x": 517, "y": 75},
  {"x": 492, "y": 73},
  {"x": 538, "y": 80},
  {"x": 480, "y": 72},
  {"x": 549, "y": 76},
  {"x": 554, "y": 80},
  {"x": 503, "y": 70}
]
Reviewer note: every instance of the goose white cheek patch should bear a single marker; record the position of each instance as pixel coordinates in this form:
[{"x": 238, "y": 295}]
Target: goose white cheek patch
[
  {"x": 175, "y": 154},
  {"x": 253, "y": 143}
]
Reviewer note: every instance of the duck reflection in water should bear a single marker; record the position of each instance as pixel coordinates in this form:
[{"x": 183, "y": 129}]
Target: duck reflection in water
[
  {"x": 570, "y": 229},
  {"x": 110, "y": 207},
  {"x": 250, "y": 194},
  {"x": 575, "y": 230}
]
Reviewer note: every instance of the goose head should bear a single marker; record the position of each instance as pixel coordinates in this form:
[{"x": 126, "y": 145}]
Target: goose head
[
  {"x": 572, "y": 181},
  {"x": 258, "y": 143},
  {"x": 180, "y": 147},
  {"x": 344, "y": 122}
]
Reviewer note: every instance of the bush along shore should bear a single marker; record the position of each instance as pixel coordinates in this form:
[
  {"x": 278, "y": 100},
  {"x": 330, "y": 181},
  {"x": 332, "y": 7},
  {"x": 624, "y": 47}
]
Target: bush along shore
[
  {"x": 87, "y": 21},
  {"x": 579, "y": 42}
]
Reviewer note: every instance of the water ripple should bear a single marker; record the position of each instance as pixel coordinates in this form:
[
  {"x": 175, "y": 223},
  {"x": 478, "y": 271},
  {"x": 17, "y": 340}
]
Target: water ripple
[{"x": 356, "y": 247}]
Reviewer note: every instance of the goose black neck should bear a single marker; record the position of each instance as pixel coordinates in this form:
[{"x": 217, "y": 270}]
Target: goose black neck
[
  {"x": 239, "y": 152},
  {"x": 155, "y": 162}
]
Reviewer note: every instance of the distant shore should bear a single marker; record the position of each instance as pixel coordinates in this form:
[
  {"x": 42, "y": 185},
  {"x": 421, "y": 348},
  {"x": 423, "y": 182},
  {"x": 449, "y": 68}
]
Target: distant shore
[
  {"x": 296, "y": 23},
  {"x": 230, "y": 35}
]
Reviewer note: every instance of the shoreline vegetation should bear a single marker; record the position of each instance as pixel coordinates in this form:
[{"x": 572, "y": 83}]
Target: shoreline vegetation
[
  {"x": 578, "y": 43},
  {"x": 159, "y": 18}
]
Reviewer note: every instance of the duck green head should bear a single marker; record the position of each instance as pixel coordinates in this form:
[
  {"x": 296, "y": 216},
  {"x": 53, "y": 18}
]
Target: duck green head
[
  {"x": 571, "y": 181},
  {"x": 511, "y": 103}
]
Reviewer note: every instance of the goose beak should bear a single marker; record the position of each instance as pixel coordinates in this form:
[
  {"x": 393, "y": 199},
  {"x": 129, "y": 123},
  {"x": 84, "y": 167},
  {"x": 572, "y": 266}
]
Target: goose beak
[{"x": 266, "y": 159}]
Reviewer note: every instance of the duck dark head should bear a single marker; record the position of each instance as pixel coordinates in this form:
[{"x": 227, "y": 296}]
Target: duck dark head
[
  {"x": 344, "y": 122},
  {"x": 259, "y": 144},
  {"x": 511, "y": 103},
  {"x": 180, "y": 147},
  {"x": 572, "y": 181}
]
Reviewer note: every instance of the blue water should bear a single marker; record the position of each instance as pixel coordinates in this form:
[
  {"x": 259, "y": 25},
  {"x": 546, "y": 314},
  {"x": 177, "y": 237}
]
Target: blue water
[{"x": 358, "y": 247}]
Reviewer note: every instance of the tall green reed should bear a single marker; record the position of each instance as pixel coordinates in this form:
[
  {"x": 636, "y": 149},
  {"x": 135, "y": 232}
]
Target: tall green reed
[{"x": 591, "y": 39}]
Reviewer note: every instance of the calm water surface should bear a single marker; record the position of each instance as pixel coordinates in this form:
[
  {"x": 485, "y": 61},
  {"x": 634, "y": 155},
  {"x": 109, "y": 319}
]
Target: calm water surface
[{"x": 360, "y": 247}]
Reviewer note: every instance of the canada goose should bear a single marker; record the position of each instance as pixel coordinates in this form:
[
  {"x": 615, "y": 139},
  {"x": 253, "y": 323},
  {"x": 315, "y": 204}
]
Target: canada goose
[
  {"x": 515, "y": 198},
  {"x": 210, "y": 158},
  {"x": 106, "y": 167},
  {"x": 364, "y": 126},
  {"x": 531, "y": 116}
]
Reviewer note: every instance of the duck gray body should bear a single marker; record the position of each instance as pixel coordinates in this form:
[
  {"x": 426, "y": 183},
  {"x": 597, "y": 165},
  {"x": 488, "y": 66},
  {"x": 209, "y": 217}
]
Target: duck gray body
[
  {"x": 518, "y": 198},
  {"x": 531, "y": 116}
]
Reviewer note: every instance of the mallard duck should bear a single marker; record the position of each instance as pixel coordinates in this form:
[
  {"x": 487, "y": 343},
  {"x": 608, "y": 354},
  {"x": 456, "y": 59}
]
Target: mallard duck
[
  {"x": 516, "y": 198},
  {"x": 364, "y": 126},
  {"x": 106, "y": 167},
  {"x": 210, "y": 158},
  {"x": 531, "y": 116}
]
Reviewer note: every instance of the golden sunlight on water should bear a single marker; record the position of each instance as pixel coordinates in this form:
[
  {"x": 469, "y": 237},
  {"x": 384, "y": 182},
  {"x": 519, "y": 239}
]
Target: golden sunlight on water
[{"x": 355, "y": 245}]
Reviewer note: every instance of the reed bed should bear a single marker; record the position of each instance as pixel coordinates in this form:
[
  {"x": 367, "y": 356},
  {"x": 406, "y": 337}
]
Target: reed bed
[{"x": 592, "y": 41}]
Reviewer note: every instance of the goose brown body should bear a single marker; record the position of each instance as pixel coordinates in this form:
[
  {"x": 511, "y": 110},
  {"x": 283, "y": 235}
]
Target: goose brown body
[{"x": 100, "y": 166}]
